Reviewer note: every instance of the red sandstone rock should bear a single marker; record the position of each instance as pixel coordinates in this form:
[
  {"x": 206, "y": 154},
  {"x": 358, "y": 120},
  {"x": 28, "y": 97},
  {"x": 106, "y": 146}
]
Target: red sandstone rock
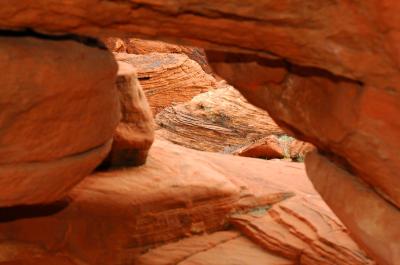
[
  {"x": 355, "y": 117},
  {"x": 135, "y": 133},
  {"x": 138, "y": 46},
  {"x": 178, "y": 193},
  {"x": 236, "y": 250},
  {"x": 168, "y": 78},
  {"x": 58, "y": 114},
  {"x": 220, "y": 120},
  {"x": 267, "y": 147},
  {"x": 372, "y": 221},
  {"x": 299, "y": 149},
  {"x": 353, "y": 122},
  {"x": 329, "y": 35},
  {"x": 303, "y": 230}
]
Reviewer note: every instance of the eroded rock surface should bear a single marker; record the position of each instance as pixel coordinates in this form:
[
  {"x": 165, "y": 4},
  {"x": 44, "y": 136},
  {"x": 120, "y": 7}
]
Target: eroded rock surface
[
  {"x": 220, "y": 120},
  {"x": 179, "y": 193},
  {"x": 57, "y": 116},
  {"x": 135, "y": 132},
  {"x": 348, "y": 105},
  {"x": 351, "y": 122},
  {"x": 364, "y": 213},
  {"x": 139, "y": 46},
  {"x": 168, "y": 78}
]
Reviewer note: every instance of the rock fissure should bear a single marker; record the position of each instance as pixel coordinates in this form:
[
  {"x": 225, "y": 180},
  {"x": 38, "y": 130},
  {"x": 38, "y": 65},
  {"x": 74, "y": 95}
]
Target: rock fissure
[{"x": 85, "y": 40}]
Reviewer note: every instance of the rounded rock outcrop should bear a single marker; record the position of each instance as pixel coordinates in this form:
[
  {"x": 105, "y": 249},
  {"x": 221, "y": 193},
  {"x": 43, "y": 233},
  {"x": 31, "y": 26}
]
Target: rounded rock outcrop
[{"x": 59, "y": 108}]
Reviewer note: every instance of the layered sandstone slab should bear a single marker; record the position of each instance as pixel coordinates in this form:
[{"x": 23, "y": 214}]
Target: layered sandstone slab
[
  {"x": 303, "y": 230},
  {"x": 220, "y": 120},
  {"x": 178, "y": 193},
  {"x": 168, "y": 78},
  {"x": 139, "y": 46},
  {"x": 135, "y": 132},
  {"x": 57, "y": 116}
]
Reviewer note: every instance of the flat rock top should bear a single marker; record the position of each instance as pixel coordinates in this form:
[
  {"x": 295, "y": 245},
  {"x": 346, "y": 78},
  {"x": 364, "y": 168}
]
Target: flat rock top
[{"x": 153, "y": 61}]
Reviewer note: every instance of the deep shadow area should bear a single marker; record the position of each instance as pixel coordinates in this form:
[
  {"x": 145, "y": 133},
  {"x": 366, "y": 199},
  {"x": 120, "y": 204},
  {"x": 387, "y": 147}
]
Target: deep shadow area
[
  {"x": 88, "y": 41},
  {"x": 8, "y": 214},
  {"x": 300, "y": 70}
]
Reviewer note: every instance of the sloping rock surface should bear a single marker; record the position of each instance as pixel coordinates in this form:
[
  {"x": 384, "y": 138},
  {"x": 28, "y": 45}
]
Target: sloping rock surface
[{"x": 178, "y": 193}]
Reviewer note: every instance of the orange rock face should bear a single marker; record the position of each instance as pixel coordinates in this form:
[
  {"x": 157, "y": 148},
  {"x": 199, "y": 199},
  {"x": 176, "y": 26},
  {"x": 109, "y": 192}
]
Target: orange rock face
[
  {"x": 139, "y": 215},
  {"x": 57, "y": 117},
  {"x": 168, "y": 78},
  {"x": 329, "y": 71},
  {"x": 364, "y": 213},
  {"x": 135, "y": 132},
  {"x": 332, "y": 112}
]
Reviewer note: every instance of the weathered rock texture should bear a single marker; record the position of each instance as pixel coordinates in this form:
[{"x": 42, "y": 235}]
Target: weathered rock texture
[
  {"x": 220, "y": 120},
  {"x": 329, "y": 35},
  {"x": 139, "y": 46},
  {"x": 58, "y": 114},
  {"x": 352, "y": 123},
  {"x": 342, "y": 61},
  {"x": 364, "y": 213},
  {"x": 135, "y": 132},
  {"x": 168, "y": 78},
  {"x": 180, "y": 193}
]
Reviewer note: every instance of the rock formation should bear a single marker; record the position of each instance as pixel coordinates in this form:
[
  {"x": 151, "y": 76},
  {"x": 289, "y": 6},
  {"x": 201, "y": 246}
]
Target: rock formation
[
  {"x": 141, "y": 217},
  {"x": 168, "y": 78},
  {"x": 57, "y": 117},
  {"x": 135, "y": 132},
  {"x": 219, "y": 120},
  {"x": 266, "y": 147},
  {"x": 139, "y": 46},
  {"x": 350, "y": 122},
  {"x": 326, "y": 71}
]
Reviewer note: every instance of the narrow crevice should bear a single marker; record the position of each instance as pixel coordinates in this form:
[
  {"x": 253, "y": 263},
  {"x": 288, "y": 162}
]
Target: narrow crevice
[
  {"x": 215, "y": 56},
  {"x": 85, "y": 40},
  {"x": 8, "y": 214},
  {"x": 214, "y": 14}
]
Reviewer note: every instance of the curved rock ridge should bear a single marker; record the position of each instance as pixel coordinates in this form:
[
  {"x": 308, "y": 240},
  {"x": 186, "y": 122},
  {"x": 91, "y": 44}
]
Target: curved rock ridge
[
  {"x": 332, "y": 35},
  {"x": 219, "y": 120},
  {"x": 168, "y": 78},
  {"x": 57, "y": 117},
  {"x": 179, "y": 193}
]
